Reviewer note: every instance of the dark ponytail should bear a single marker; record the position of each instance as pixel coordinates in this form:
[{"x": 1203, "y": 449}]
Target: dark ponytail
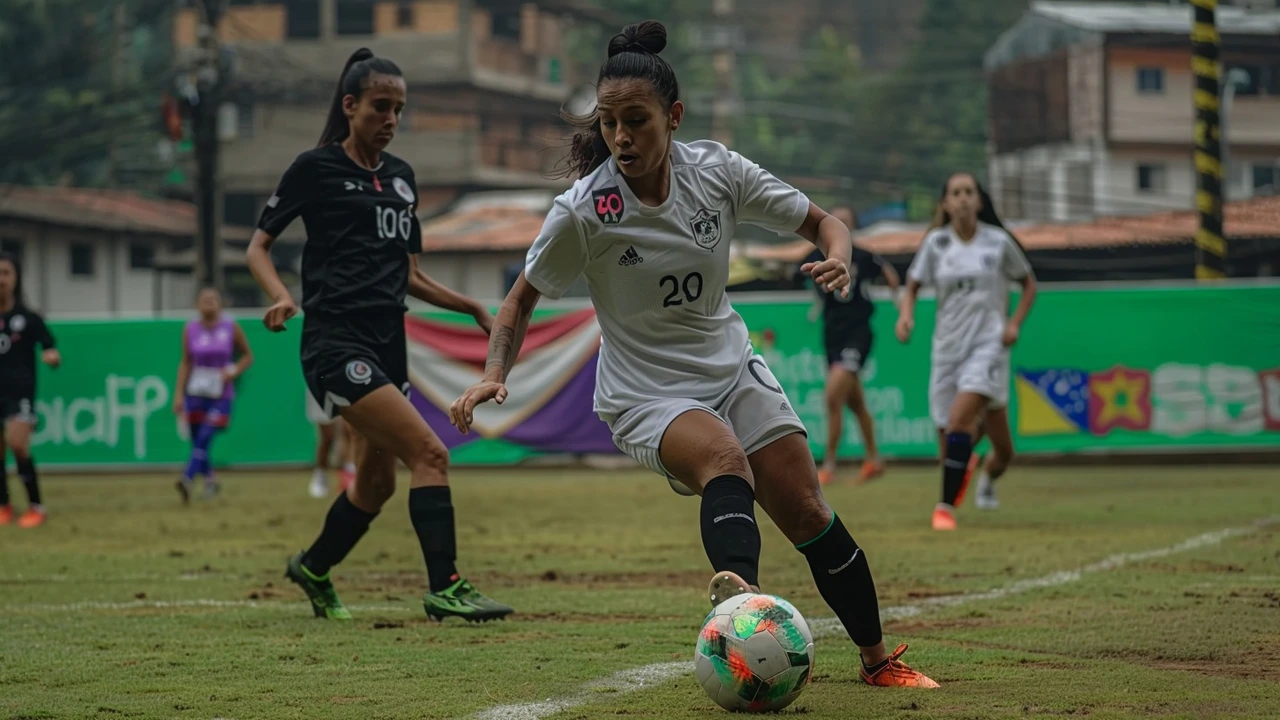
[
  {"x": 17, "y": 272},
  {"x": 633, "y": 53},
  {"x": 359, "y": 67}
]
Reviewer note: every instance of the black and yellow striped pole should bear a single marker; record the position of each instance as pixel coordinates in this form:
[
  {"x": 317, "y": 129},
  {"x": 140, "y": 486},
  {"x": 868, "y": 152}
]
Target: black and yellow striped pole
[{"x": 1211, "y": 245}]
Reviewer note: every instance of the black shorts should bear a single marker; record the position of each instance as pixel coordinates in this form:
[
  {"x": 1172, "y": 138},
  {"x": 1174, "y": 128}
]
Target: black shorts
[
  {"x": 850, "y": 349},
  {"x": 18, "y": 407},
  {"x": 342, "y": 361}
]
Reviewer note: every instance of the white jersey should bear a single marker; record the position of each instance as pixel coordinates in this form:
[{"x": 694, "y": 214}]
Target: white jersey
[
  {"x": 972, "y": 284},
  {"x": 657, "y": 275}
]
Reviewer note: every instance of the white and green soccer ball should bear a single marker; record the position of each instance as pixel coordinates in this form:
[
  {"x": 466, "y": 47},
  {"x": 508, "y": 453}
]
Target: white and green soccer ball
[{"x": 754, "y": 653}]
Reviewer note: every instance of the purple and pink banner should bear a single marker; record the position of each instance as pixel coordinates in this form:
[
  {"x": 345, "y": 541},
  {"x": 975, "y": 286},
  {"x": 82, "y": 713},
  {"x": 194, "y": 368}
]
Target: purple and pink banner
[{"x": 548, "y": 408}]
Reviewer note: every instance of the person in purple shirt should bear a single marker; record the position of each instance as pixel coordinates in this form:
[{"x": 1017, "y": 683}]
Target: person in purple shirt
[{"x": 206, "y": 384}]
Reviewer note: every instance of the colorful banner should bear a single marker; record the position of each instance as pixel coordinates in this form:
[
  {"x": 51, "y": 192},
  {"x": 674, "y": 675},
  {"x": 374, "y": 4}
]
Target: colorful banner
[{"x": 1116, "y": 370}]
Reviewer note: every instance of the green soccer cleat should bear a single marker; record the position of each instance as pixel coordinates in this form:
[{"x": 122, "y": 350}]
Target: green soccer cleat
[
  {"x": 324, "y": 599},
  {"x": 463, "y": 600}
]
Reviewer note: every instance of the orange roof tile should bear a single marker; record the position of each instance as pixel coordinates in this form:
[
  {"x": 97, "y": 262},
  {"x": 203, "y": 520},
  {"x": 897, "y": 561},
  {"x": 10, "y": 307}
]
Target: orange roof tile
[
  {"x": 1259, "y": 217},
  {"x": 113, "y": 210}
]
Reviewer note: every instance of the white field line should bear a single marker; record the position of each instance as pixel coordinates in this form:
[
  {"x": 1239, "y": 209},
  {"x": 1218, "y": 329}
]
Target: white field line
[{"x": 640, "y": 678}]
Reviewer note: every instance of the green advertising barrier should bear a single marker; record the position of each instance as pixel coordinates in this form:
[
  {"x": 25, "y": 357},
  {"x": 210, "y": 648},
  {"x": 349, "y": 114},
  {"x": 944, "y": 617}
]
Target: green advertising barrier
[{"x": 1138, "y": 369}]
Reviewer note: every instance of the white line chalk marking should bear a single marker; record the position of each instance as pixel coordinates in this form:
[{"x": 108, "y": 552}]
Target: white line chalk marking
[{"x": 640, "y": 678}]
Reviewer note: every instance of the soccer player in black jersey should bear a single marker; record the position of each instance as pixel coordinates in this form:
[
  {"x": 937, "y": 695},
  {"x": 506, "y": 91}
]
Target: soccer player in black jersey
[
  {"x": 21, "y": 328},
  {"x": 846, "y": 323},
  {"x": 357, "y": 202}
]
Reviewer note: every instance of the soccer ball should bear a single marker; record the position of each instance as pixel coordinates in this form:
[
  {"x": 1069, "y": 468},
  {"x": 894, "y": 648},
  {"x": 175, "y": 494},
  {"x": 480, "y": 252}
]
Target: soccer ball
[{"x": 754, "y": 654}]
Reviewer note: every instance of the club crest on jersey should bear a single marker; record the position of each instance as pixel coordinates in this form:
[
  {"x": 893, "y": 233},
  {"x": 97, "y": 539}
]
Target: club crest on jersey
[
  {"x": 706, "y": 228},
  {"x": 359, "y": 372},
  {"x": 403, "y": 189},
  {"x": 943, "y": 241},
  {"x": 988, "y": 260},
  {"x": 609, "y": 205},
  {"x": 17, "y": 323}
]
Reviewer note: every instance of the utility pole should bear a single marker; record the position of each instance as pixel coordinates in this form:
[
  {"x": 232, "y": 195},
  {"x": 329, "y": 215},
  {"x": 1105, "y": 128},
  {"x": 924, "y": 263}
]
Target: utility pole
[
  {"x": 210, "y": 82},
  {"x": 1211, "y": 245}
]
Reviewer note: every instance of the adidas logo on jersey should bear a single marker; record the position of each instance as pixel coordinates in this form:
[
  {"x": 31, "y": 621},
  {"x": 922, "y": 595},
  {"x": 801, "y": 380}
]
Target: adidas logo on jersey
[{"x": 630, "y": 257}]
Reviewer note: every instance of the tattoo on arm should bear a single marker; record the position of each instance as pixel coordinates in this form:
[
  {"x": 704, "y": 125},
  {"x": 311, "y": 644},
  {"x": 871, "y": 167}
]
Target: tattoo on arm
[{"x": 501, "y": 349}]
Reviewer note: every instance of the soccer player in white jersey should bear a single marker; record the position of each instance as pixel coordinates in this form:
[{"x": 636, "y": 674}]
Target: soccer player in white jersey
[
  {"x": 970, "y": 259},
  {"x": 648, "y": 223}
]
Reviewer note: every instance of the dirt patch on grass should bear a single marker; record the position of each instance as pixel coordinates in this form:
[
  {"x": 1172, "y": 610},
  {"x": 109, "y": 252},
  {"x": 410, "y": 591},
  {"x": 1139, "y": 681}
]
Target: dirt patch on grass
[
  {"x": 1263, "y": 668},
  {"x": 1215, "y": 567},
  {"x": 928, "y": 627},
  {"x": 380, "y": 583},
  {"x": 599, "y": 618}
]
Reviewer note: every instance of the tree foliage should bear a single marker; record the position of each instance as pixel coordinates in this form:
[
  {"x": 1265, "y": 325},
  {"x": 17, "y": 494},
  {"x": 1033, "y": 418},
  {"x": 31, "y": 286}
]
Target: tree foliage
[{"x": 80, "y": 86}]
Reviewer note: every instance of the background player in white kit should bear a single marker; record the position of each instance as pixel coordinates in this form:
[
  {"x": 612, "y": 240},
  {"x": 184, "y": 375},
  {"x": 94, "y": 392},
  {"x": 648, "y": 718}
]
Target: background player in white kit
[
  {"x": 969, "y": 258},
  {"x": 648, "y": 224}
]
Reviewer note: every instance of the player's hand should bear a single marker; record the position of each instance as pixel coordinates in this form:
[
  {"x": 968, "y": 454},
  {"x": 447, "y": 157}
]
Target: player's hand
[
  {"x": 280, "y": 313},
  {"x": 904, "y": 327},
  {"x": 178, "y": 402},
  {"x": 461, "y": 412},
  {"x": 229, "y": 375},
  {"x": 831, "y": 275},
  {"x": 1011, "y": 333},
  {"x": 51, "y": 357},
  {"x": 483, "y": 319}
]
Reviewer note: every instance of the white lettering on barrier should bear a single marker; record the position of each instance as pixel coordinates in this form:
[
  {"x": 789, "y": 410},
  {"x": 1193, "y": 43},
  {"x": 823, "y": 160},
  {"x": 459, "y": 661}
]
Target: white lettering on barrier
[{"x": 80, "y": 421}]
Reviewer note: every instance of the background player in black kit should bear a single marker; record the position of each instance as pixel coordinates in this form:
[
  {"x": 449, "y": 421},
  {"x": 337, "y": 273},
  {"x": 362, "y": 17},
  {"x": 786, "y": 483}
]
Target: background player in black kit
[
  {"x": 21, "y": 329},
  {"x": 846, "y": 323},
  {"x": 358, "y": 204}
]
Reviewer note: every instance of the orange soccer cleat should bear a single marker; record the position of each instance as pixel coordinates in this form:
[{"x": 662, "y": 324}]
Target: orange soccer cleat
[
  {"x": 871, "y": 469},
  {"x": 944, "y": 518},
  {"x": 6, "y": 514},
  {"x": 895, "y": 673},
  {"x": 33, "y": 517}
]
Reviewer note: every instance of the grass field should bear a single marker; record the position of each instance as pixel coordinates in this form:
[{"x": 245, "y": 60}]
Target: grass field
[{"x": 128, "y": 606}]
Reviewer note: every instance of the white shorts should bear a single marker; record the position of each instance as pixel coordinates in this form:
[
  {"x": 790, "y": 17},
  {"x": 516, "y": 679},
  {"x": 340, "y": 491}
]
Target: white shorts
[
  {"x": 984, "y": 371},
  {"x": 316, "y": 414},
  {"x": 756, "y": 410}
]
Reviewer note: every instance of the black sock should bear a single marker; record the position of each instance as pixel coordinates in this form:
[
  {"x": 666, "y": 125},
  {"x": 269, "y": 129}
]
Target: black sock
[
  {"x": 343, "y": 527},
  {"x": 959, "y": 448},
  {"x": 4, "y": 483},
  {"x": 843, "y": 578},
  {"x": 729, "y": 531},
  {"x": 27, "y": 471},
  {"x": 431, "y": 512}
]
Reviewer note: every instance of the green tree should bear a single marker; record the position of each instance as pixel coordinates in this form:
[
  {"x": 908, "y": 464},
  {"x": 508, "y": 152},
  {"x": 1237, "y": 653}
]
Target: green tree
[{"x": 80, "y": 87}]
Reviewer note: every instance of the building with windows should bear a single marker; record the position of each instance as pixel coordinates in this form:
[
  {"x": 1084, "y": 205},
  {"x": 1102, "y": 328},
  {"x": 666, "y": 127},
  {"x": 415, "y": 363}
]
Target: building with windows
[
  {"x": 109, "y": 252},
  {"x": 1090, "y": 109},
  {"x": 486, "y": 80}
]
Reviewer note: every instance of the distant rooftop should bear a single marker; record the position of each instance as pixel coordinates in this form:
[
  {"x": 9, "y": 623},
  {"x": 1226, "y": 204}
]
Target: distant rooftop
[
  {"x": 1049, "y": 25},
  {"x": 1155, "y": 18}
]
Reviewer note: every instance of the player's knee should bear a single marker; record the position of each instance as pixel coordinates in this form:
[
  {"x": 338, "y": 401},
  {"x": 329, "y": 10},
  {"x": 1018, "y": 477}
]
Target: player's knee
[
  {"x": 725, "y": 456},
  {"x": 428, "y": 455},
  {"x": 835, "y": 400}
]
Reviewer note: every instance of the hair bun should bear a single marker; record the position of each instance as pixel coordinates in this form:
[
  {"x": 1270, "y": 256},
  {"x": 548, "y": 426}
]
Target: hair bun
[
  {"x": 360, "y": 55},
  {"x": 649, "y": 36}
]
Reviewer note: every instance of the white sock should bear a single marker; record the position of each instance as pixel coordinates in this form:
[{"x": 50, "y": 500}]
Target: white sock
[{"x": 350, "y": 467}]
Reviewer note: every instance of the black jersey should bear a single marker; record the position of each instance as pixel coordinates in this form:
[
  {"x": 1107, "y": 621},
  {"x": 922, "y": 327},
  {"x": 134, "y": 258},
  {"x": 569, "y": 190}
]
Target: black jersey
[
  {"x": 361, "y": 226},
  {"x": 842, "y": 316},
  {"x": 20, "y": 331}
]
